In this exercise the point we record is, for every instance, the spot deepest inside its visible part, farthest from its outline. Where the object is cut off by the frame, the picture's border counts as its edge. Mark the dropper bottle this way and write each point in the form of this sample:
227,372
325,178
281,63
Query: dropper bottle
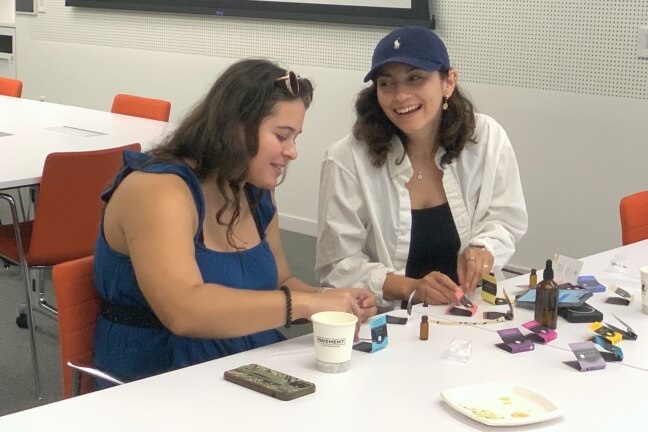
546,303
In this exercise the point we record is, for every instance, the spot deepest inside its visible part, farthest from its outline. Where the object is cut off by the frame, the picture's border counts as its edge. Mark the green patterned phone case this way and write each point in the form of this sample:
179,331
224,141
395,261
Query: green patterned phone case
269,381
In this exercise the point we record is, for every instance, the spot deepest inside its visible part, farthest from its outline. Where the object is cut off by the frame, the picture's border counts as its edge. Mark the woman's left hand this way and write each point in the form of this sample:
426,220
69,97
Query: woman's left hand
474,261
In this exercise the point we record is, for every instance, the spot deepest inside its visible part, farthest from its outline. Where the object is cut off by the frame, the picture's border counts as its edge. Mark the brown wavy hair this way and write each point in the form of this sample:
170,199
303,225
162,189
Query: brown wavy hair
374,128
220,135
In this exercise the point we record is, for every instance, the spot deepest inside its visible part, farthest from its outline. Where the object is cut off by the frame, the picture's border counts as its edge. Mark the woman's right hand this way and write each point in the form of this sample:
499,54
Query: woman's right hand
341,300
435,288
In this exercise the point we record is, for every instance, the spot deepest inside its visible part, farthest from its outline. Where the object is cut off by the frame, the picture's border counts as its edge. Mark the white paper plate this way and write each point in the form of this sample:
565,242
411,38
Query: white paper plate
501,404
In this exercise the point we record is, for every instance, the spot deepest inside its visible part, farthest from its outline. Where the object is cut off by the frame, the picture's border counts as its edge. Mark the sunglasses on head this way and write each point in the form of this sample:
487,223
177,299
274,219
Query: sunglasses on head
291,79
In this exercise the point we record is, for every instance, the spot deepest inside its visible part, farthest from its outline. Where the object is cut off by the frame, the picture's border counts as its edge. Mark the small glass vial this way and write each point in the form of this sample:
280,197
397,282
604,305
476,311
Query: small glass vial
425,328
533,278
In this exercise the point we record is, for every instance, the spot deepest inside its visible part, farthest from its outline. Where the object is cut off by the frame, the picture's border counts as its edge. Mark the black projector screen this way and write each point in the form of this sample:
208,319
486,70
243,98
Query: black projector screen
370,12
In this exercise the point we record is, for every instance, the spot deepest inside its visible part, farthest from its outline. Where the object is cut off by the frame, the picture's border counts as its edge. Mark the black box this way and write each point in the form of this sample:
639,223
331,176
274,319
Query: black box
581,314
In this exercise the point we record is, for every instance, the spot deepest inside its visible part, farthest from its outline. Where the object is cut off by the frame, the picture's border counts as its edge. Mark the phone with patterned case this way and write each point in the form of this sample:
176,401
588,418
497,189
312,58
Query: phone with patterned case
270,382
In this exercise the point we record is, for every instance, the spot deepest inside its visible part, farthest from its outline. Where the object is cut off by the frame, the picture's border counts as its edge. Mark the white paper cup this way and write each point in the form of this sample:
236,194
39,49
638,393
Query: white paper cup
333,335
644,286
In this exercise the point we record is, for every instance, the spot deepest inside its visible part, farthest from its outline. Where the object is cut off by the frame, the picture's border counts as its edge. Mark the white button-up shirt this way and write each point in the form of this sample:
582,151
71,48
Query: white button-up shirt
365,214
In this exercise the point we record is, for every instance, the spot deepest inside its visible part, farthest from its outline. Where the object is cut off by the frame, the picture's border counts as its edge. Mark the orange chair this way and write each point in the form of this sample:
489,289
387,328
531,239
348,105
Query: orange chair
10,87
634,217
65,225
78,305
137,106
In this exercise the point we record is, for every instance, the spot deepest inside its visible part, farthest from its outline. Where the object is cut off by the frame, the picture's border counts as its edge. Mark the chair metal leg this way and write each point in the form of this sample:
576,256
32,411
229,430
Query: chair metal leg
32,330
43,306
27,280
94,372
25,210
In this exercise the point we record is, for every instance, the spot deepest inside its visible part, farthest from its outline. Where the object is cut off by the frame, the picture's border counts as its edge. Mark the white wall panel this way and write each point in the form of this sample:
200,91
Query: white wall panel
562,76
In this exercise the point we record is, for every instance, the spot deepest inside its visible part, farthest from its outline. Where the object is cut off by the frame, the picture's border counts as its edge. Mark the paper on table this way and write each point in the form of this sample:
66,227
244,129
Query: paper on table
75,131
566,268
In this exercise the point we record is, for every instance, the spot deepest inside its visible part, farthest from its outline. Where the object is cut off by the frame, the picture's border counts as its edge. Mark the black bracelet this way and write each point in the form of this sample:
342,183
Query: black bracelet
286,292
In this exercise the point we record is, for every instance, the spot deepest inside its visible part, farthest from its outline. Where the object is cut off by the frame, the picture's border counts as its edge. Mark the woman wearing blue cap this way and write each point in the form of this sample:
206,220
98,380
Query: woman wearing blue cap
425,194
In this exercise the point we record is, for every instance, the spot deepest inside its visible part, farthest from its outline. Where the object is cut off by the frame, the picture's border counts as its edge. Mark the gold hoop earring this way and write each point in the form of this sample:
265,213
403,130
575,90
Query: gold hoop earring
444,107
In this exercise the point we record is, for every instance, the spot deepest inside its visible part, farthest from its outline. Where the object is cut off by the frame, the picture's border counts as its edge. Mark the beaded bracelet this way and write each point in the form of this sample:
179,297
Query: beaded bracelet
286,292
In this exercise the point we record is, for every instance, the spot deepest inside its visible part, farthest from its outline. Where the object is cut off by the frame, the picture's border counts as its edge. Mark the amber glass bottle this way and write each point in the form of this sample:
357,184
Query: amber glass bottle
425,328
546,303
533,278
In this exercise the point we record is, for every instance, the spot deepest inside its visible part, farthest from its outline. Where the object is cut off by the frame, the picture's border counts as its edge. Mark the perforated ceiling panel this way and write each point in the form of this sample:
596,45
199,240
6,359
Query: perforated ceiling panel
565,45
580,46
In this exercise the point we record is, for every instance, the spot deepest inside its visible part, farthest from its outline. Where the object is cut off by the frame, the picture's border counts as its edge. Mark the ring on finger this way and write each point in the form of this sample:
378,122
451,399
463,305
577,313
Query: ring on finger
471,259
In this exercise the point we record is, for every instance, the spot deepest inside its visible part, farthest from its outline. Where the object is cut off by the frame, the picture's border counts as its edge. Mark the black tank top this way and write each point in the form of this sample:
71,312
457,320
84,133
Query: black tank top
434,244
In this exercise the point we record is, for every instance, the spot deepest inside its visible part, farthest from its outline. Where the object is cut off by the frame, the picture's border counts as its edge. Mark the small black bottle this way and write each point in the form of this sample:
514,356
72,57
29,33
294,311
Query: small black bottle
546,303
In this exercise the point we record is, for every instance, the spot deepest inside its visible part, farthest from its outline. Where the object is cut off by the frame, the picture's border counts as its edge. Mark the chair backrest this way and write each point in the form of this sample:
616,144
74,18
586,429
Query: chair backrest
78,305
137,106
68,210
10,87
633,210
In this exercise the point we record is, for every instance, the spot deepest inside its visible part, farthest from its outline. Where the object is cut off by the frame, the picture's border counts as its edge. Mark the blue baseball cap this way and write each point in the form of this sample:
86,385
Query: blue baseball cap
413,45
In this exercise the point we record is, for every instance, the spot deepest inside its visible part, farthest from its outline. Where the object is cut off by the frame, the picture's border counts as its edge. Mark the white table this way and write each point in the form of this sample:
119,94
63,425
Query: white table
633,256
396,389
23,151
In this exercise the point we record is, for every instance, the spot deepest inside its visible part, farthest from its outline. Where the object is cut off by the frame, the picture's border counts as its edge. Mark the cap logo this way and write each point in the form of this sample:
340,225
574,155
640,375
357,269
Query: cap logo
397,44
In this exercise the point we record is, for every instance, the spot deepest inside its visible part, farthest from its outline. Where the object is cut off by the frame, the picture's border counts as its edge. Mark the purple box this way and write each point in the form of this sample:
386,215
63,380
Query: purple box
541,334
514,341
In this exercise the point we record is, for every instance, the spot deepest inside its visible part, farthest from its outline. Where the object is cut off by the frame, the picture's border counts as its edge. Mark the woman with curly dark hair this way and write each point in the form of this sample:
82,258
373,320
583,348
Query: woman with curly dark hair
188,262
425,195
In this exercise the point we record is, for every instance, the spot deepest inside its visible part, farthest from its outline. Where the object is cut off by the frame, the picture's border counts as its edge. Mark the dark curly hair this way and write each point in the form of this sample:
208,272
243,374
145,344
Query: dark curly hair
374,128
220,135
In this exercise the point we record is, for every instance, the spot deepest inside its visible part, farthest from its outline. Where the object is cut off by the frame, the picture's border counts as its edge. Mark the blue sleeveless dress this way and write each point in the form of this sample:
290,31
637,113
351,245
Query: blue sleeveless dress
130,352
